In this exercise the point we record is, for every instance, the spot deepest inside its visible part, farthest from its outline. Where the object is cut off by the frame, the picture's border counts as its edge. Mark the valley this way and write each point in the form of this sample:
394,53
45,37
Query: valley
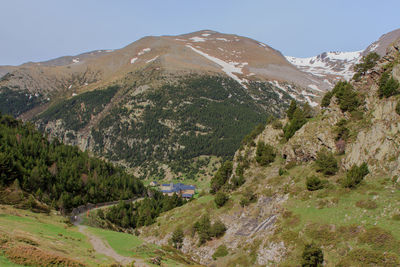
295,161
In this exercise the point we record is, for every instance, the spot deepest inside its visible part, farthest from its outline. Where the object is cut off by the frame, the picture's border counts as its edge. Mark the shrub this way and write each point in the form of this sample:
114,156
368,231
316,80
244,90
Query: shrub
346,96
314,183
342,132
222,176
367,62
398,108
221,251
355,175
218,229
326,162
277,124
265,153
297,121
292,108
247,198
312,256
177,238
326,100
220,199
388,86
206,231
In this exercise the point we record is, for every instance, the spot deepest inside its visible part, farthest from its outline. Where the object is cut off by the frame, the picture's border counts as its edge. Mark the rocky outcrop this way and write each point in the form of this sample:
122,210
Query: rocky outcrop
378,144
314,136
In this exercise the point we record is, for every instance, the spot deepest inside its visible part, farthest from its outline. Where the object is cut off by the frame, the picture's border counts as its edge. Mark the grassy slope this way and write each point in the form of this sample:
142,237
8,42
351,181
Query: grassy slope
51,234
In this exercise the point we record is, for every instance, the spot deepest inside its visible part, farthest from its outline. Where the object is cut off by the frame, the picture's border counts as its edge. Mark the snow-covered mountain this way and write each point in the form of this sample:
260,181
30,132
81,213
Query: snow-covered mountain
333,66
329,65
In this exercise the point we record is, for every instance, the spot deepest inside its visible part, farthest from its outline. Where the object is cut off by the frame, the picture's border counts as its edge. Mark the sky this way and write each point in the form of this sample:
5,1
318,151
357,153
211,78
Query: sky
44,29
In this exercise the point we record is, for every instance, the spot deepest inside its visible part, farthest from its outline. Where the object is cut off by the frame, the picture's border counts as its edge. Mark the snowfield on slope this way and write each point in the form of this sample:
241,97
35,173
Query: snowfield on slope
331,63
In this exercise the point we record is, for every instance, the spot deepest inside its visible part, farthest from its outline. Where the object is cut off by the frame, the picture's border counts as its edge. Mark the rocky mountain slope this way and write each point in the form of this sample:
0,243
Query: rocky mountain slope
334,66
160,99
314,190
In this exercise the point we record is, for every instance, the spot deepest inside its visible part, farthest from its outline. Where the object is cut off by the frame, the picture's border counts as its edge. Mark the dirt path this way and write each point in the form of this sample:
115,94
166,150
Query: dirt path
101,246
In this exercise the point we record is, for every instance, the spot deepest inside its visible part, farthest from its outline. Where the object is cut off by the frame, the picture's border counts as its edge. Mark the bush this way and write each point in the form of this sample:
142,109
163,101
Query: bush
206,231
314,183
277,124
297,121
247,198
326,162
347,98
292,108
220,199
222,176
355,175
388,86
326,100
265,153
398,108
177,238
221,251
312,256
367,63
342,132
218,229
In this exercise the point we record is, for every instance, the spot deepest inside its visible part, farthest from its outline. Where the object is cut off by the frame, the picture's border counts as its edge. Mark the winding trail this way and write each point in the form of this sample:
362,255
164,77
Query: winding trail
101,246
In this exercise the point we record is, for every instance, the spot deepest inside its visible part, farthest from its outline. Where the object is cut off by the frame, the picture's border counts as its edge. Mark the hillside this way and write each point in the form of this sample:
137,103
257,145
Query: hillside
333,183
41,175
162,106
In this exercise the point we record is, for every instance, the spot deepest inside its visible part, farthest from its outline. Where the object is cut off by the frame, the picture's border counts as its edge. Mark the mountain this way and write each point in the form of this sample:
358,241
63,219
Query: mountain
330,65
333,183
161,104
334,66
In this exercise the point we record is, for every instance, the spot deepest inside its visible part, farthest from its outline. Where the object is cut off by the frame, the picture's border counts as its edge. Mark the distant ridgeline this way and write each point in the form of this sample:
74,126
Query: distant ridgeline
56,174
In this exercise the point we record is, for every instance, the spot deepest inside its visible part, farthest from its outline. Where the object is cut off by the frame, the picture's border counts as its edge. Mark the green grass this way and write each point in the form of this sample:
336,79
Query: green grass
122,243
4,262
50,233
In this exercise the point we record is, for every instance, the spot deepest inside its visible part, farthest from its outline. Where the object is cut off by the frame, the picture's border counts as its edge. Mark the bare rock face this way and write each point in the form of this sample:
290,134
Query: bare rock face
379,144
314,136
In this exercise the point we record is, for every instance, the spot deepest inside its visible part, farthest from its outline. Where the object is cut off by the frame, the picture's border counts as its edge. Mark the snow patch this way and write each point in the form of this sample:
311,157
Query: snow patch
374,46
144,51
151,60
197,39
314,87
133,60
205,34
223,39
75,60
228,67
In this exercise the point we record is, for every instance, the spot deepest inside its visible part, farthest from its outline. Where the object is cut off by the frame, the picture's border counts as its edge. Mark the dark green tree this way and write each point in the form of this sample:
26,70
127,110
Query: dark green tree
367,62
326,162
388,86
292,108
355,175
265,153
220,199
314,183
177,238
312,256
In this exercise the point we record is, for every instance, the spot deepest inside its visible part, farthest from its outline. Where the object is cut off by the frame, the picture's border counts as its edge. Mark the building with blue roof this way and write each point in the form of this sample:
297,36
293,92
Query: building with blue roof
185,191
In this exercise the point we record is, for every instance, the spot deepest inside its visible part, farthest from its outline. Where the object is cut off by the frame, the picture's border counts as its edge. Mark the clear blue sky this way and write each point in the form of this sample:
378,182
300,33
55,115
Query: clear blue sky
36,30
